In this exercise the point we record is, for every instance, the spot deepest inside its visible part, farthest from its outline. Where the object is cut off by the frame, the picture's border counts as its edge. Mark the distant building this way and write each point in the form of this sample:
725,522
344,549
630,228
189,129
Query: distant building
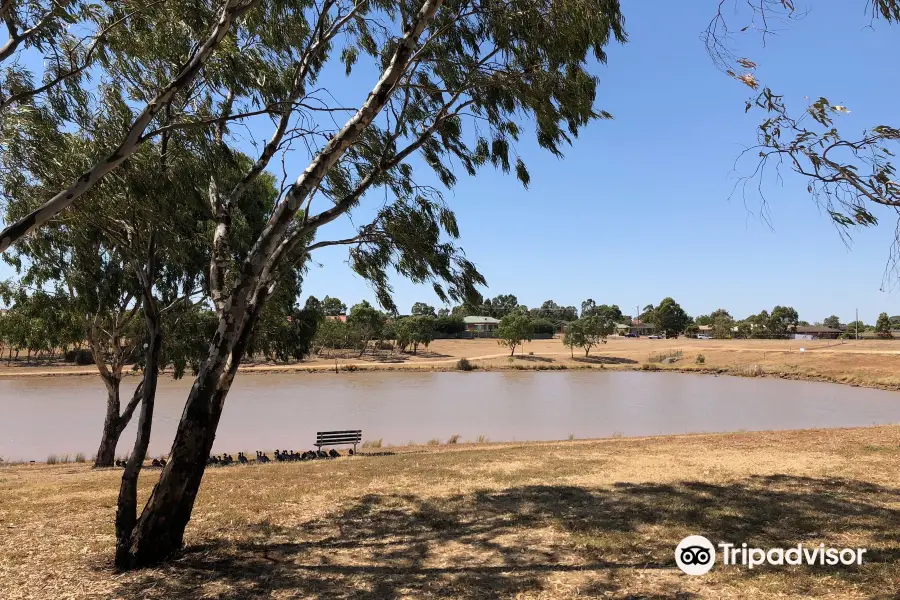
481,323
636,327
816,332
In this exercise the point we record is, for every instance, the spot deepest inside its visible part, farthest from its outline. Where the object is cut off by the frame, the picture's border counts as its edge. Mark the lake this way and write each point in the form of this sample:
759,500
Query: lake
64,415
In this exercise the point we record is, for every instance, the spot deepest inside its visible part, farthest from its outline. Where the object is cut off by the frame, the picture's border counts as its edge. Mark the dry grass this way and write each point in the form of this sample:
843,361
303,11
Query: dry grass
579,519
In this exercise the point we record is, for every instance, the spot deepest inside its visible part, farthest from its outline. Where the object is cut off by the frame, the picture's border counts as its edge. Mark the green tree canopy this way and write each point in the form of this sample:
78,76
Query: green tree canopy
832,321
669,318
367,323
883,327
420,309
588,332
515,329
333,307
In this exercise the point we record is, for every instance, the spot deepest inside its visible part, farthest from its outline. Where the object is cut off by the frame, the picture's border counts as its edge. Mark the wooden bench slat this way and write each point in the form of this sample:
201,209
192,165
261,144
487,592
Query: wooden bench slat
335,438
334,432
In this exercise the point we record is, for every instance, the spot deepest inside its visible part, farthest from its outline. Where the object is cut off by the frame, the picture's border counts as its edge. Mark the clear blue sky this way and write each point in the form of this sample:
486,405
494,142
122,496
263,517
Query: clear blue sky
639,208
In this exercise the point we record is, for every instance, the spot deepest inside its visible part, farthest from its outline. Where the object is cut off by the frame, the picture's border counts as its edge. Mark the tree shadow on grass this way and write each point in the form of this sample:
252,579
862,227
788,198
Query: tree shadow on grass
533,358
605,360
550,540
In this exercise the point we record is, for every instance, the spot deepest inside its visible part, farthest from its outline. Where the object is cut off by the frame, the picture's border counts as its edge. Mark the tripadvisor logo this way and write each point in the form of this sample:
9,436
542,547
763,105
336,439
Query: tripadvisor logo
696,555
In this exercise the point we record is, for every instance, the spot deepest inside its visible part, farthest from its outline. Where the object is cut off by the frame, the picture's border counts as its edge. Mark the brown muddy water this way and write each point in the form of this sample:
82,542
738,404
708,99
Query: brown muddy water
43,416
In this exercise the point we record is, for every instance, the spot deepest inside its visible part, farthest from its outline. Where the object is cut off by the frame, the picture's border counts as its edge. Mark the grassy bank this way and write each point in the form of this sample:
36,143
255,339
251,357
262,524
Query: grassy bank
574,519
870,363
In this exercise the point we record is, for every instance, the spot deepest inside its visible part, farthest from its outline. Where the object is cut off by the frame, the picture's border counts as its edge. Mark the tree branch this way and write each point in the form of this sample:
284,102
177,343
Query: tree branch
232,10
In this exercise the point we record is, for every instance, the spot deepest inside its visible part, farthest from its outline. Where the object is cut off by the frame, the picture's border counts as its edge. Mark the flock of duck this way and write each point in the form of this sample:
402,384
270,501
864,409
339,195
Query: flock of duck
261,458
280,456
156,462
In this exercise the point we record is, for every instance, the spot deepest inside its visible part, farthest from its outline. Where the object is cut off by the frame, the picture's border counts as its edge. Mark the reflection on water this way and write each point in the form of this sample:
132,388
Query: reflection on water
64,415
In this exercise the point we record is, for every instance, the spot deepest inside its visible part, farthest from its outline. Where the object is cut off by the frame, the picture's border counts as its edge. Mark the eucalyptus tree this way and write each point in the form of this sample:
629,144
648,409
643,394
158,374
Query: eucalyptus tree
421,309
117,45
455,82
333,307
367,323
515,329
39,321
441,65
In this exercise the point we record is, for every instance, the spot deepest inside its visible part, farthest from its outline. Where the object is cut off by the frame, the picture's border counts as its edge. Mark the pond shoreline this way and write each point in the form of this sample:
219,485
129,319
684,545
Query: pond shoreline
449,367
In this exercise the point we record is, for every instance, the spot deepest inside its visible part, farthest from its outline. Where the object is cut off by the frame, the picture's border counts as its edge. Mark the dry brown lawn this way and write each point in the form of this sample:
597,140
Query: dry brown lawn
581,519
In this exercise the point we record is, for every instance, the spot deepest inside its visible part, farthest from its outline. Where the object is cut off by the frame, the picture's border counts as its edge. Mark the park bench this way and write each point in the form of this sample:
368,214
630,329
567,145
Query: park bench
337,438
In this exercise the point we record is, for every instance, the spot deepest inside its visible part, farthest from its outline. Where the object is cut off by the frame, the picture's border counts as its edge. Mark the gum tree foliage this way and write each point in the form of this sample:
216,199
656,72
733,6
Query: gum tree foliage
333,307
883,327
832,321
38,322
333,334
607,312
421,309
366,323
515,329
499,306
552,311
722,323
97,252
284,332
414,331
458,85
851,175
449,326
587,332
420,331
783,321
668,317
543,326
854,326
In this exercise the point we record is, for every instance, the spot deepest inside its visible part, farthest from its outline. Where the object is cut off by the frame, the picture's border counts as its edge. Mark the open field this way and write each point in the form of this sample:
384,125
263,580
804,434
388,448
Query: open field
872,363
580,519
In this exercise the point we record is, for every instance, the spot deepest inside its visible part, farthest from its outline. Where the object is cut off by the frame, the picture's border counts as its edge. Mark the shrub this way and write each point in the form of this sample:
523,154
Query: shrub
752,371
434,442
80,357
449,326
463,364
79,458
481,439
372,443
52,459
700,359
544,326
453,438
